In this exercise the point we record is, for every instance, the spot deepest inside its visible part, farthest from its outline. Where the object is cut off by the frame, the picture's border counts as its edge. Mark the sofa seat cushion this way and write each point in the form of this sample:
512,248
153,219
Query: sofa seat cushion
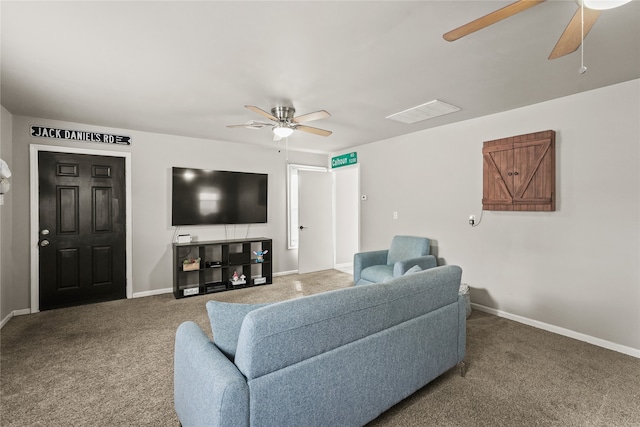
226,319
377,273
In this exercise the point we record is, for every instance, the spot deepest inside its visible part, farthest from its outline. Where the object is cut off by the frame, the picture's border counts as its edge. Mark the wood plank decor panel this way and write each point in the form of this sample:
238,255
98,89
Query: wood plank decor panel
519,173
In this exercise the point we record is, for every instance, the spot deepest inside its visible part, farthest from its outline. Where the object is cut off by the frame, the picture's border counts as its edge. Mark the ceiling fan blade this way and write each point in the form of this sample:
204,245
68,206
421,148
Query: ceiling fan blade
246,126
313,130
490,19
317,115
261,112
251,124
571,38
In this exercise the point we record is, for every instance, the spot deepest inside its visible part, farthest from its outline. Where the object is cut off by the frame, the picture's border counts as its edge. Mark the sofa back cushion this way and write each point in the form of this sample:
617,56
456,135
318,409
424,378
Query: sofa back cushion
226,319
407,247
291,331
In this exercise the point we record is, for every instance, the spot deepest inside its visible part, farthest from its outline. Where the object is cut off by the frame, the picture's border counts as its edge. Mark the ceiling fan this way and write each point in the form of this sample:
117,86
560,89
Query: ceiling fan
284,121
570,39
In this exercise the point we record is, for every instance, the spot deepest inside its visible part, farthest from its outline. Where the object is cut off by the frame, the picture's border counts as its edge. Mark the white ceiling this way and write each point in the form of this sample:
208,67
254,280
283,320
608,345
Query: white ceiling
188,68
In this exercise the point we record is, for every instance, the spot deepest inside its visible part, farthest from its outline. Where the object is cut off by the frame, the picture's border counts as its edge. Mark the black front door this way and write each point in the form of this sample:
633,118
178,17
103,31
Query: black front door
82,229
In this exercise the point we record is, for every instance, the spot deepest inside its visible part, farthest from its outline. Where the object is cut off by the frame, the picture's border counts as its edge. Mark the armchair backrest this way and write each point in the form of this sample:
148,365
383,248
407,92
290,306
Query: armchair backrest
407,247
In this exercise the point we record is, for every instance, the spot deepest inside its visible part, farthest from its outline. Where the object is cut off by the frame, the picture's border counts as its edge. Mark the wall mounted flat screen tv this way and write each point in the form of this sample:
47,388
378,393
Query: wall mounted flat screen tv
206,197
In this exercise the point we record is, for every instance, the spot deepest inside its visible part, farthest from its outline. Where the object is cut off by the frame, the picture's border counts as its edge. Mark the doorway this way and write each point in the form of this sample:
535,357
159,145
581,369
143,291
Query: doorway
316,233
338,203
80,226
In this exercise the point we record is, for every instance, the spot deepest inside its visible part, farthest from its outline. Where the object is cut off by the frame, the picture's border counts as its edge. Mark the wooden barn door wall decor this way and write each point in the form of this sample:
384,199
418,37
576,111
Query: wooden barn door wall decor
519,173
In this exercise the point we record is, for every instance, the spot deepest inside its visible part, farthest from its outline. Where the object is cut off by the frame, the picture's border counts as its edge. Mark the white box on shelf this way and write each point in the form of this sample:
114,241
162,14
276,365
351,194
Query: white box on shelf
184,238
191,291
259,280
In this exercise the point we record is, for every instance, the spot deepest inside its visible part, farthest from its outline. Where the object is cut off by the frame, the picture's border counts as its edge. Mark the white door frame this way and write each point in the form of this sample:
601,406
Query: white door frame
34,176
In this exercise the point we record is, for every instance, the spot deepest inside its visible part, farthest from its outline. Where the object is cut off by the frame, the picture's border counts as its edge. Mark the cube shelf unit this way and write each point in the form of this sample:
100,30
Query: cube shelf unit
219,259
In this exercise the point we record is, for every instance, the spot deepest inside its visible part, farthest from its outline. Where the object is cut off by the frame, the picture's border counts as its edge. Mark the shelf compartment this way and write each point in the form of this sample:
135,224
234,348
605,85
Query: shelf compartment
212,287
239,258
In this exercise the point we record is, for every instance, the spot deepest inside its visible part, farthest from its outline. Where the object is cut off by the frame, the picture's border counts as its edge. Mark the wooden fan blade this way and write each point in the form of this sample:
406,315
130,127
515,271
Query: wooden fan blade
261,112
317,115
313,130
571,38
490,19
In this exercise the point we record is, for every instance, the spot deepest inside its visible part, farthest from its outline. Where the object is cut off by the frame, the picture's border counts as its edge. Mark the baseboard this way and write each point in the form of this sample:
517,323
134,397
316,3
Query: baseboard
12,314
6,320
285,273
344,265
630,351
151,293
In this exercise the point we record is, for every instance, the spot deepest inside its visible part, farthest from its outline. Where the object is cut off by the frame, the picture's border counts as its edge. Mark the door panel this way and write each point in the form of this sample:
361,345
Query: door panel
315,241
82,229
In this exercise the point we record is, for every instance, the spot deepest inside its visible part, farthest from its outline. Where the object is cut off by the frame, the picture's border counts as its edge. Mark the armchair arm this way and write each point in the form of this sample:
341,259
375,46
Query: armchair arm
424,262
363,260
208,388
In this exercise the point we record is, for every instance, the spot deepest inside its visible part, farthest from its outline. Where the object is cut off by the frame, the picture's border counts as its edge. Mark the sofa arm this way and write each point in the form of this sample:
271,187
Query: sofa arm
208,388
363,260
424,262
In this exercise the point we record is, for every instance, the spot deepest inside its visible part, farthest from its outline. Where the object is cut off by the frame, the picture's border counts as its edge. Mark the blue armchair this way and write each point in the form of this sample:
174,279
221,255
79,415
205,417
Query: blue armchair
404,253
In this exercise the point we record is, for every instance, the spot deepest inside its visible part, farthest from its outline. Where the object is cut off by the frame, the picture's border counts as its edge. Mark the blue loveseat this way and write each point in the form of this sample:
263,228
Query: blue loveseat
339,358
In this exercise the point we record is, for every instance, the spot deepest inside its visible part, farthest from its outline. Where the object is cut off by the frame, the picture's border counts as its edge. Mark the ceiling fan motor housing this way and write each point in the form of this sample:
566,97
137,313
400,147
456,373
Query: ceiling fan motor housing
283,113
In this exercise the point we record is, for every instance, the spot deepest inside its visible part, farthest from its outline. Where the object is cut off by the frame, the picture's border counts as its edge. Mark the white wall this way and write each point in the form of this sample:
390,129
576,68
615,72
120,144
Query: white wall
7,300
152,156
347,214
576,268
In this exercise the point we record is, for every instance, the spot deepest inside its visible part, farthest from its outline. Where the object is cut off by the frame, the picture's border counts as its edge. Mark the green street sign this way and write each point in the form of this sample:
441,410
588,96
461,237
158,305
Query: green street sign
344,160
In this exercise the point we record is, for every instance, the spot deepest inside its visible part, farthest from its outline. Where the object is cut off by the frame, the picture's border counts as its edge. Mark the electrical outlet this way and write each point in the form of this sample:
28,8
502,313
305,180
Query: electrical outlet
472,220
395,215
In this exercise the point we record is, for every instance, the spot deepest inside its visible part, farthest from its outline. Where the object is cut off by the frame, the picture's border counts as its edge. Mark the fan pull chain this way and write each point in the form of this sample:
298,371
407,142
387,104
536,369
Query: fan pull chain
582,69
286,148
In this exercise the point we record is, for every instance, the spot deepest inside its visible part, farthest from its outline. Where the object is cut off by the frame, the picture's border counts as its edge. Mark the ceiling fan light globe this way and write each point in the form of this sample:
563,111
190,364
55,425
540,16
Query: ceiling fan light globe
282,131
604,4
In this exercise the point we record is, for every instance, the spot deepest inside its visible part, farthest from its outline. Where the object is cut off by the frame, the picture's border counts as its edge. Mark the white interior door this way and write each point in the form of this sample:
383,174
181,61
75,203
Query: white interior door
315,219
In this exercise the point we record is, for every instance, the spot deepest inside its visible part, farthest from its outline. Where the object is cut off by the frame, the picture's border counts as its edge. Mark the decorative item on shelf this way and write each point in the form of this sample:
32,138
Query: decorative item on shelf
191,264
260,255
238,280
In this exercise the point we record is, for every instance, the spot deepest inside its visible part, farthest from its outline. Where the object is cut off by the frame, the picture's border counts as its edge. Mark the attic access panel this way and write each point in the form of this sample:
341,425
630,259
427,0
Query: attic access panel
519,173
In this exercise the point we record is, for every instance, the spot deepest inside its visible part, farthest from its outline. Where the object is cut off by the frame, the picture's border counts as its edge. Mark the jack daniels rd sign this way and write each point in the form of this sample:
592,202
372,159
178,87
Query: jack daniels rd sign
78,135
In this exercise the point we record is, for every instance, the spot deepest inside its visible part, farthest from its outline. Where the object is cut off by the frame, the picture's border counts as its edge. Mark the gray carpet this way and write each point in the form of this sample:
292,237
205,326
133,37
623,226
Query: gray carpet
112,364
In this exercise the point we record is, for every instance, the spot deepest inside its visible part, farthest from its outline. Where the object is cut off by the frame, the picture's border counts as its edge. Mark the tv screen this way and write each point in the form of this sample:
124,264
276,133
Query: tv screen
205,197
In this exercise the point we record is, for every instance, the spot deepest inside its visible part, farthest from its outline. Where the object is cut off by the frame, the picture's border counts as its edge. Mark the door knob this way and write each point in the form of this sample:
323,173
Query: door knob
44,242
44,232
